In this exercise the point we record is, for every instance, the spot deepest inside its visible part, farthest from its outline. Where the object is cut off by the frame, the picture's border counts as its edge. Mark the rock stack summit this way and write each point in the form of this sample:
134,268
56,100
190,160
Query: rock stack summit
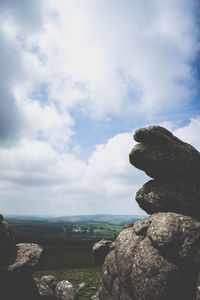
158,258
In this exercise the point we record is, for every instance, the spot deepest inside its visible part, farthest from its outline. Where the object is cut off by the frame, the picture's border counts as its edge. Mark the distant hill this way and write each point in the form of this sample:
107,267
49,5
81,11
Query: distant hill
111,219
82,227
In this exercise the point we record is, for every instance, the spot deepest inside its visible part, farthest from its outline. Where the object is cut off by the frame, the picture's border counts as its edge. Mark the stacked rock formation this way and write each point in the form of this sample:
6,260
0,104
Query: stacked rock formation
175,167
158,257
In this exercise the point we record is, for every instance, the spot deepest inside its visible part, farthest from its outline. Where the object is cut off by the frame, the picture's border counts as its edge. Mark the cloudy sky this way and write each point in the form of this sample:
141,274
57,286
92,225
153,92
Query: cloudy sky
77,77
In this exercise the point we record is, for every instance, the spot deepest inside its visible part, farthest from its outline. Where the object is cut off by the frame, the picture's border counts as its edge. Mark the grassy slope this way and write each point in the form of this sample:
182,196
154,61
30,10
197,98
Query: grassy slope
72,261
68,256
64,230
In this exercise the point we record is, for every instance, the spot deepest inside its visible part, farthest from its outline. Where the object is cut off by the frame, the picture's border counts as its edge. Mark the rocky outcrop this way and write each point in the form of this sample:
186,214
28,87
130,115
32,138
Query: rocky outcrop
101,249
49,288
158,258
65,291
94,297
46,286
25,257
175,167
163,156
163,196
160,255
18,262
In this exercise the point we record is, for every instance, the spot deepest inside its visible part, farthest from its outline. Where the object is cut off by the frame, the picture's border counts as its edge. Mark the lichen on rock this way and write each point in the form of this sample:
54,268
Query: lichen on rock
157,258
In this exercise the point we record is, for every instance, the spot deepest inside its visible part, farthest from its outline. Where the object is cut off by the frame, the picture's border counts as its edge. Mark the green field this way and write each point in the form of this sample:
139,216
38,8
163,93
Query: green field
68,246
72,261
64,230
67,249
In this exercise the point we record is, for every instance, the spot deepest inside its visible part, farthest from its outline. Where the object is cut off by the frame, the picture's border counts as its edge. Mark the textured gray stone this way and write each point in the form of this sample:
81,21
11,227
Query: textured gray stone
46,286
80,287
95,297
17,263
101,249
176,236
25,257
158,258
163,156
153,259
65,291
111,287
158,196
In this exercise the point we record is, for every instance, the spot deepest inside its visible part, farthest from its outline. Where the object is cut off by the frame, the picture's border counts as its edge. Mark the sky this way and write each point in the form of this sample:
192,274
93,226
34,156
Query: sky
77,78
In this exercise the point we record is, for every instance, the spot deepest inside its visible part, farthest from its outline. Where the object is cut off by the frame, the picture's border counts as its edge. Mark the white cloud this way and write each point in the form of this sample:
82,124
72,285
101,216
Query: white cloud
46,123
36,179
146,48
104,58
23,15
114,58
190,132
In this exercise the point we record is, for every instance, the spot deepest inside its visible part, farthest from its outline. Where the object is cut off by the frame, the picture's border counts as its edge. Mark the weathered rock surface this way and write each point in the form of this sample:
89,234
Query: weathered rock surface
16,257
17,263
153,259
49,280
158,258
46,286
16,272
163,156
24,257
101,249
111,286
49,288
158,196
80,287
94,297
65,291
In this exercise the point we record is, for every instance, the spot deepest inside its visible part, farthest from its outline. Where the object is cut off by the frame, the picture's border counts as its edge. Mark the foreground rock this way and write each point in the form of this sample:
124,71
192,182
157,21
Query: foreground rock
163,156
94,297
81,287
153,259
158,196
17,264
49,288
16,272
65,291
158,258
101,249
24,257
46,286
